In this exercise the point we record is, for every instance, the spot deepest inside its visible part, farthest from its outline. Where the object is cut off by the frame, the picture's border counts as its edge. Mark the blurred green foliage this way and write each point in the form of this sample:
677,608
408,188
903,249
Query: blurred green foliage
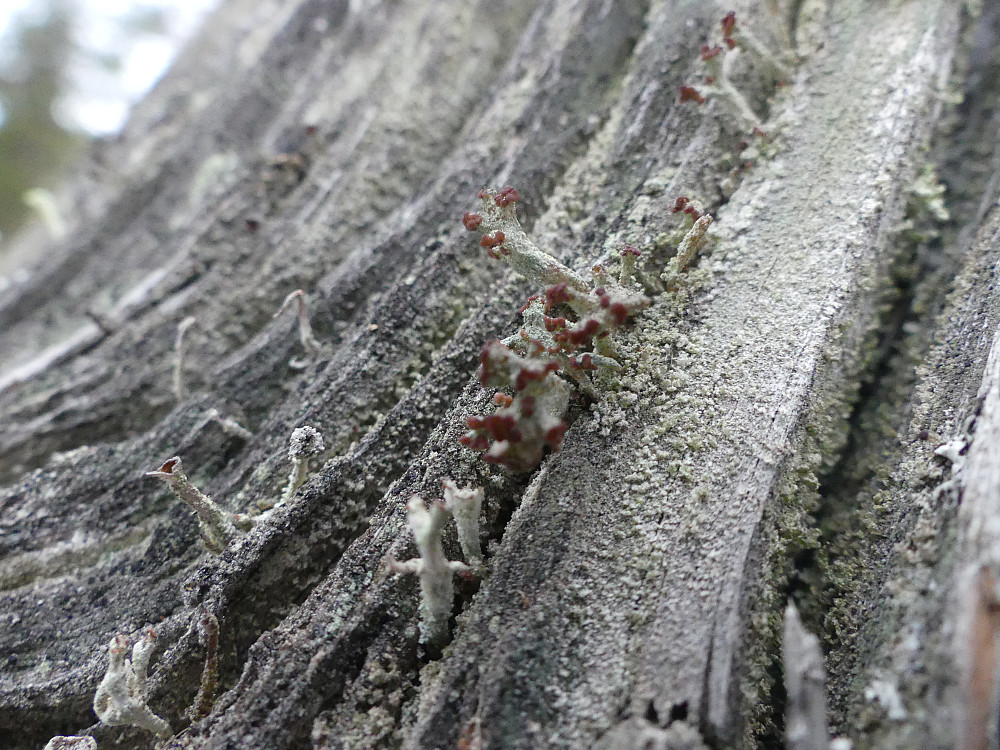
35,149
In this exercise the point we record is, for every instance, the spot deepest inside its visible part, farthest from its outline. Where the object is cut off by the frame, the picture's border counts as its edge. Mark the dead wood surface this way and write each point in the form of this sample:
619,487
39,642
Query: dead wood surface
776,431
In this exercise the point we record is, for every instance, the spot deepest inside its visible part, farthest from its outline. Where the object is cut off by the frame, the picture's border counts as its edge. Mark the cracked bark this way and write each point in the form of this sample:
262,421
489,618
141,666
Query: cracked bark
768,437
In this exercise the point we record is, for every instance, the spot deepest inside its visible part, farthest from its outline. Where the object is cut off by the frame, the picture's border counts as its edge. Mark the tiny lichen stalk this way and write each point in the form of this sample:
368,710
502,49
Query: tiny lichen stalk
216,527
465,506
304,443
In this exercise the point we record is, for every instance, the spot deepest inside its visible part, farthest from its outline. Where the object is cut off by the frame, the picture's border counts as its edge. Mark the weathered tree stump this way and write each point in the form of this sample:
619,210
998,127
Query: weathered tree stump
810,414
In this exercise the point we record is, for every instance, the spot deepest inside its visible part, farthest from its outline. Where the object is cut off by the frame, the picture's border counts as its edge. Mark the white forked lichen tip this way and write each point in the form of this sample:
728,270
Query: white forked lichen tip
433,568
121,697
465,505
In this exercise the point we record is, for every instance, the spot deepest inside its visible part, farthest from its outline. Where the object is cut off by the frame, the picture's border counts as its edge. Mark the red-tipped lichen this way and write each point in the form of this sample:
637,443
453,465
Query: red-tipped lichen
471,221
717,61
564,338
493,241
683,204
498,221
690,94
728,23
506,197
527,423
707,53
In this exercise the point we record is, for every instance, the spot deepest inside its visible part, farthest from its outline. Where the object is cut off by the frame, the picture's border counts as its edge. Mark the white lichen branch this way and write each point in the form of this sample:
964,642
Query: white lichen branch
71,742
208,636
179,352
465,505
121,697
437,590
229,425
687,250
720,69
805,686
692,242
766,62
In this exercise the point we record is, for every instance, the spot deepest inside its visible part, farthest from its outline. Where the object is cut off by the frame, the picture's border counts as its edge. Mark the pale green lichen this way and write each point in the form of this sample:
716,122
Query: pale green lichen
43,202
926,210
504,238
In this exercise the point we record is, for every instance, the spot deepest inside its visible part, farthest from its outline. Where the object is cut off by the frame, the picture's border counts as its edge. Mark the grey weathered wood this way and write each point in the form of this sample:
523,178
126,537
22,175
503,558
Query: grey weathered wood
636,580
975,620
805,686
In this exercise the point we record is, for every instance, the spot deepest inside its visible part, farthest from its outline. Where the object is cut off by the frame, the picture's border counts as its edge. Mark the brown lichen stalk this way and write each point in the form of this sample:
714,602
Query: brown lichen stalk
216,528
208,635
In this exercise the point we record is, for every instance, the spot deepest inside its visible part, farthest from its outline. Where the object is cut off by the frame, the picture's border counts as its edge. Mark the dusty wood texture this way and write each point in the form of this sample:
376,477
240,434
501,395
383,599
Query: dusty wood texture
805,686
636,581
